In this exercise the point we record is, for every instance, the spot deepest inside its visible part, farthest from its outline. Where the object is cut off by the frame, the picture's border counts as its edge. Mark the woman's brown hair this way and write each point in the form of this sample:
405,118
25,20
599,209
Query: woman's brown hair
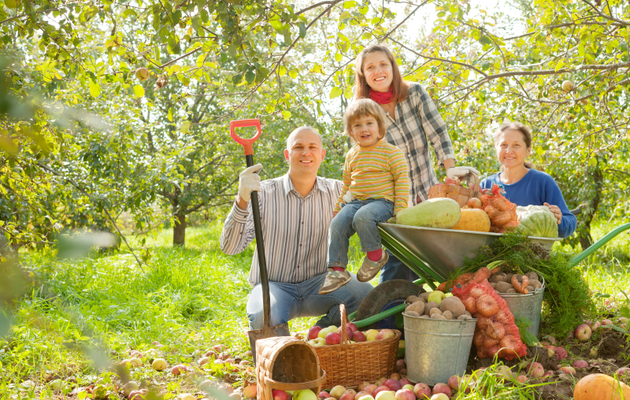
523,129
361,87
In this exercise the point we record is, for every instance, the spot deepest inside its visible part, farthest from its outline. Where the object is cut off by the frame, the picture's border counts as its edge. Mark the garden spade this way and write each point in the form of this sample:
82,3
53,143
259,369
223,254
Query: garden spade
266,331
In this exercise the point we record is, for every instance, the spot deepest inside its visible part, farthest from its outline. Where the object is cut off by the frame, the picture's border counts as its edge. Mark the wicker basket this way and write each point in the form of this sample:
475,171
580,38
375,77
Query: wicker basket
349,363
286,363
458,193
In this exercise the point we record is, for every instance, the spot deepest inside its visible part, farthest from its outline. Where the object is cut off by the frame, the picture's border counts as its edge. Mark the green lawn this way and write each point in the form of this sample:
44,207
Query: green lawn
81,313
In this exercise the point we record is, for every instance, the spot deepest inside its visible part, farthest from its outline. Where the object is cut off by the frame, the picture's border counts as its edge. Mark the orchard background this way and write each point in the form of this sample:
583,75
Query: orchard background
86,146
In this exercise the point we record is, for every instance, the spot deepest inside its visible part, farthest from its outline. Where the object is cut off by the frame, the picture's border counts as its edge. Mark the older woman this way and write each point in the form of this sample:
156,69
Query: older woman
524,185
412,122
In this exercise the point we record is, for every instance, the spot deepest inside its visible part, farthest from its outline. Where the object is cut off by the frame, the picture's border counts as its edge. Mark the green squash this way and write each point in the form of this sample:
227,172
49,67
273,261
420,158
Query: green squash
537,221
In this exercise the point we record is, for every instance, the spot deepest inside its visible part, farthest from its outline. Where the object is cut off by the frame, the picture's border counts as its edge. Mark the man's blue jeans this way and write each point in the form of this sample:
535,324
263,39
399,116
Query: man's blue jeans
358,216
292,300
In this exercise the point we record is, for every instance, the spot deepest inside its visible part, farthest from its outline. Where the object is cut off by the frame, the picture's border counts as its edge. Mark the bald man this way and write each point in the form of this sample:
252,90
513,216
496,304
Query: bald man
296,210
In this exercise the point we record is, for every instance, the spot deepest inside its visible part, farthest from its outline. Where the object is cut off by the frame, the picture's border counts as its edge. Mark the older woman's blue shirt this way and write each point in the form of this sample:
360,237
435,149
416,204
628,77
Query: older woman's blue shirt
536,188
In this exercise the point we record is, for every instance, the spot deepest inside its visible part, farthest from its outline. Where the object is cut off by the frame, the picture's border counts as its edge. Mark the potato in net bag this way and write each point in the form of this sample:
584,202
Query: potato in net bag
495,332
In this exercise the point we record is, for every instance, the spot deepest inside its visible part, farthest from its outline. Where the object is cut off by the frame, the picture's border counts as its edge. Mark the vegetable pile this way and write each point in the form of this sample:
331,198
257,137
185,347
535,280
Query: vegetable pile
537,221
501,211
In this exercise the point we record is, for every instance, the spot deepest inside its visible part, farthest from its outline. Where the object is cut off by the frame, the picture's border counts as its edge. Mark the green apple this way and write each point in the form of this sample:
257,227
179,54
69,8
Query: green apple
159,364
130,387
142,74
322,334
567,86
306,394
436,296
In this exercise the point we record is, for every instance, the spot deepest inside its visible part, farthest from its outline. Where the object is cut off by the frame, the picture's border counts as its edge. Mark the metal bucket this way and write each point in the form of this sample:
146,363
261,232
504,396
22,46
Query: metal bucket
527,305
436,349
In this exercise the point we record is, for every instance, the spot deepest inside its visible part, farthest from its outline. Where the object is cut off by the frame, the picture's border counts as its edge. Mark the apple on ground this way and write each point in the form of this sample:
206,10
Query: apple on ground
568,370
595,326
129,387
561,353
521,379
349,394
405,381
386,395
422,391
358,337
453,382
380,389
135,362
392,384
405,394
366,397
442,388
535,369
306,394
360,394
582,332
337,391
370,335
380,381
551,350
322,395
362,385
439,396
186,396
400,364
179,369
395,375
408,386
384,334
623,371
580,364
313,332
250,391
369,389
159,364
547,374
333,338
279,394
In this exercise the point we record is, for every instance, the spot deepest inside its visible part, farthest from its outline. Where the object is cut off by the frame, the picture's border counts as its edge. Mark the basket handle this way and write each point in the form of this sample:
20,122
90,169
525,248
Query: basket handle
344,323
472,180
296,386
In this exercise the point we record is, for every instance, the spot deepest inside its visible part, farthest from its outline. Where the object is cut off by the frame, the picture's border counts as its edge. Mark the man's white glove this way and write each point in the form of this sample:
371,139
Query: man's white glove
460,172
348,197
249,181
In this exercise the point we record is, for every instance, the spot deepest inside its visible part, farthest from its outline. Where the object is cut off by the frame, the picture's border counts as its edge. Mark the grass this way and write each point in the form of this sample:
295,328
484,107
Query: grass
79,314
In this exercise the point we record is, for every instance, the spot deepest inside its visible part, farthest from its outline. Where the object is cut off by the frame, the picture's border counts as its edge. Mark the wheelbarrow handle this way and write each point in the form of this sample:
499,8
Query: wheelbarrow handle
260,248
248,144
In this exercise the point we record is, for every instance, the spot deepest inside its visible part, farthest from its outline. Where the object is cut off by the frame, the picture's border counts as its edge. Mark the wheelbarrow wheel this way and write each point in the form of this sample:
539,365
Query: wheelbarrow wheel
385,296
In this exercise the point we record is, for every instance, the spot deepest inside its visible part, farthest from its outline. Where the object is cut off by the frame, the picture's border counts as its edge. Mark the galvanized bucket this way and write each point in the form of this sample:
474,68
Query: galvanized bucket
527,305
436,349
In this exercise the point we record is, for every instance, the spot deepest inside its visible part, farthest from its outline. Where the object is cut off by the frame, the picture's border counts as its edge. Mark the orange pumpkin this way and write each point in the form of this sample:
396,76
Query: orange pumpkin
600,387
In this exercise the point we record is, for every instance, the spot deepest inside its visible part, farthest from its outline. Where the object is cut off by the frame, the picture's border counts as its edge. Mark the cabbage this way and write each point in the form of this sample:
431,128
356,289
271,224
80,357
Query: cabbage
537,221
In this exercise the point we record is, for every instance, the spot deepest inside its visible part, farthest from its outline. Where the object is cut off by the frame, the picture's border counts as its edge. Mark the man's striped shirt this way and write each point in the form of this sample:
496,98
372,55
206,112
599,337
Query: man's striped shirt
295,229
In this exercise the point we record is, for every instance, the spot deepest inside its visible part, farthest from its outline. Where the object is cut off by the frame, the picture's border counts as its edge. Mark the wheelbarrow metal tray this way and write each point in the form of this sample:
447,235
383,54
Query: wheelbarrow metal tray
443,250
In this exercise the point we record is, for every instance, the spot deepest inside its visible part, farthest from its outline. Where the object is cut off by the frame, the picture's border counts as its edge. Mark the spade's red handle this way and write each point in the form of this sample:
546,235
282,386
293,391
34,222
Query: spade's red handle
247,143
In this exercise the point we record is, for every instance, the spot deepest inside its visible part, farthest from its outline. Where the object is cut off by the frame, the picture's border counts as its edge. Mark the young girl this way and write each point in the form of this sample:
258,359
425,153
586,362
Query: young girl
375,188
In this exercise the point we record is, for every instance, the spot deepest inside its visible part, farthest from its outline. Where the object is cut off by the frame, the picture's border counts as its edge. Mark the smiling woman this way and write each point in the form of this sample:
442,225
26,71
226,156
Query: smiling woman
524,185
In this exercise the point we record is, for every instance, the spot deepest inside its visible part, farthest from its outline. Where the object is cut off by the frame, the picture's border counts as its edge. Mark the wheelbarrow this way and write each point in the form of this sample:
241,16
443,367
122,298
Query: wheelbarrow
433,254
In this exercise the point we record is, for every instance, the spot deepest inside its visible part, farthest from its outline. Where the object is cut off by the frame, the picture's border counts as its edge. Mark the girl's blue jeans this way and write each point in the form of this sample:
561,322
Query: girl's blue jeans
360,217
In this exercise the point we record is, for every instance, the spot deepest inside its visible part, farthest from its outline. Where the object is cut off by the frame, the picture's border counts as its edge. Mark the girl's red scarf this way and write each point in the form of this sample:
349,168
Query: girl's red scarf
383,97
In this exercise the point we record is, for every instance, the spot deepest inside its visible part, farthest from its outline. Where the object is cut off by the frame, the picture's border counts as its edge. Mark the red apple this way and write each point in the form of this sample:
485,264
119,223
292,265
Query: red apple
595,326
422,391
312,333
474,202
349,332
380,389
623,371
395,375
250,391
392,384
453,382
404,381
361,394
551,350
358,336
279,394
583,333
568,370
451,181
362,385
547,374
179,369
380,381
561,353
405,394
521,379
348,395
369,389
442,388
535,370
400,364
322,395
350,326
333,338
607,322
580,364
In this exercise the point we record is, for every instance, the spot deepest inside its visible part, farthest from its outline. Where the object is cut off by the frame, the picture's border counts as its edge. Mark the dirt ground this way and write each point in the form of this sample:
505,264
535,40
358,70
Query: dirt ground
607,353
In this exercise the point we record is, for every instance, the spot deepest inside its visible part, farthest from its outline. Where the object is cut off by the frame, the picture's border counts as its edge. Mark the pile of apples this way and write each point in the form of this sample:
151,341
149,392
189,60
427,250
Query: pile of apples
393,388
331,335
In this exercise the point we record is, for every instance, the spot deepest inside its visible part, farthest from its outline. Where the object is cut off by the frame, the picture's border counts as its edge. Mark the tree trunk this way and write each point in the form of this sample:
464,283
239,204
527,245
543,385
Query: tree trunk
594,179
179,230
